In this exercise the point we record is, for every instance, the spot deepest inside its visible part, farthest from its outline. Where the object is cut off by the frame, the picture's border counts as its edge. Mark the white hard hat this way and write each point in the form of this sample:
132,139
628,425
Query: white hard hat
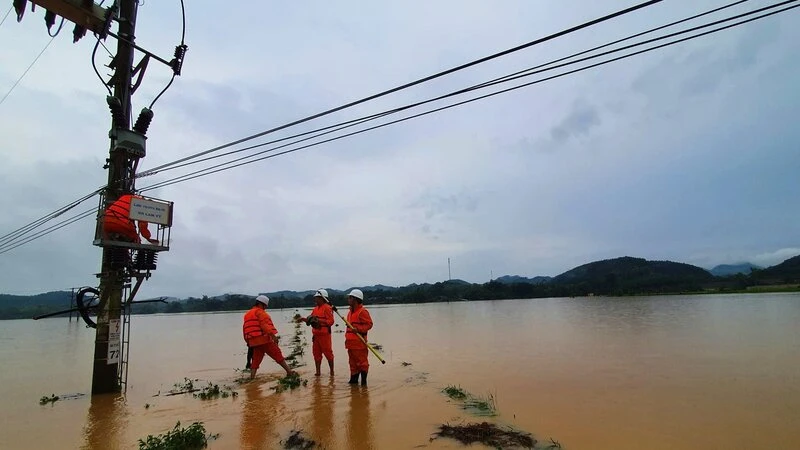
321,293
357,294
263,299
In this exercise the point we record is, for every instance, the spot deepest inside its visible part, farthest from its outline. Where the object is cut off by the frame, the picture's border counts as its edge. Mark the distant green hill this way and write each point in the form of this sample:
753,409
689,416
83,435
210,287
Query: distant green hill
27,306
55,298
628,275
511,279
618,276
784,273
726,270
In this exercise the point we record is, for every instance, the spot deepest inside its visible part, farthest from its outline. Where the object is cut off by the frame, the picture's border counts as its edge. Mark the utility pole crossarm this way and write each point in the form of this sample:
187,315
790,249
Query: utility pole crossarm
86,14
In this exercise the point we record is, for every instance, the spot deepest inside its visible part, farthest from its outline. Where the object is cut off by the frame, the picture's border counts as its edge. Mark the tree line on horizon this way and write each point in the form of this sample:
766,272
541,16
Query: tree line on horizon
624,276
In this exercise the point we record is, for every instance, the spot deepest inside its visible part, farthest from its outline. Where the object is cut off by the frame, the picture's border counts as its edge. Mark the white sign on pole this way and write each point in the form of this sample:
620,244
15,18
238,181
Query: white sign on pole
150,211
113,342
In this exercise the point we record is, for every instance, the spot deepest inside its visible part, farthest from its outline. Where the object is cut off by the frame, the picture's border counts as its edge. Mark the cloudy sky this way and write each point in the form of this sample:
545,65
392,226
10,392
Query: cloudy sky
689,153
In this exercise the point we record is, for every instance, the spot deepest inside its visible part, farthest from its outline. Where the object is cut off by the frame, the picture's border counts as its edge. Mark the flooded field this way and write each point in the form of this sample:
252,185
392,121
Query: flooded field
673,372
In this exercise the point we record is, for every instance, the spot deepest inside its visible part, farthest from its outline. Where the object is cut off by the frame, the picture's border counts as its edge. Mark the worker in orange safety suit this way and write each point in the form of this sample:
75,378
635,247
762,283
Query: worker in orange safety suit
321,321
117,225
357,351
260,334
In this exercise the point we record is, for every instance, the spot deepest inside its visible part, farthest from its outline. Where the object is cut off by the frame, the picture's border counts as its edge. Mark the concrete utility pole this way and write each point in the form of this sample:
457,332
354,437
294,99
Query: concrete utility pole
118,266
107,351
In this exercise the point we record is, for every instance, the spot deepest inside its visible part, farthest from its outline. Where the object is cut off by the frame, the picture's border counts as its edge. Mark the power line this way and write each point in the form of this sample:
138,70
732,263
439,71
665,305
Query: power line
58,30
12,245
182,45
44,219
6,15
36,224
420,81
208,171
26,71
526,72
221,167
94,66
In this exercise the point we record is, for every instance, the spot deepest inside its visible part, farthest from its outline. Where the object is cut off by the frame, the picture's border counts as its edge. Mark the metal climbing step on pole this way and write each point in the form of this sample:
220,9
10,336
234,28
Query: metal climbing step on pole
124,340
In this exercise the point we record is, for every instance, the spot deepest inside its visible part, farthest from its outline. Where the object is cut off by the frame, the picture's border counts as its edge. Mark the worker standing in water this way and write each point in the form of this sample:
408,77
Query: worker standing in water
321,320
357,351
117,224
262,336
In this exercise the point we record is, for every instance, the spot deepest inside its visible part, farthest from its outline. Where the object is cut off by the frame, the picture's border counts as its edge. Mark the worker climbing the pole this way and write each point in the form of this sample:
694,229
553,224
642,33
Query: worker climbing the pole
357,351
260,334
117,224
321,320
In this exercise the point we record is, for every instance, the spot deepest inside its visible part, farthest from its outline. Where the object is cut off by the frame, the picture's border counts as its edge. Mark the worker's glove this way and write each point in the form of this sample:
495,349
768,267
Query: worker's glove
334,308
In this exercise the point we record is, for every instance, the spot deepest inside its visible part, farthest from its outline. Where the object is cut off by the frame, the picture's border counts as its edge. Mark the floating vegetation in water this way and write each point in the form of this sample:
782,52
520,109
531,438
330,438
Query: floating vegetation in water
45,399
243,376
456,393
192,437
297,317
298,441
484,406
147,406
486,433
294,363
405,364
554,444
214,391
290,382
183,387
377,347
296,352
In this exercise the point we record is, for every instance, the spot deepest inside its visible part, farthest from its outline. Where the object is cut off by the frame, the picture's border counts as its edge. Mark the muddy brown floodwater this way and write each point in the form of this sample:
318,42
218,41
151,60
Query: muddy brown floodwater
678,372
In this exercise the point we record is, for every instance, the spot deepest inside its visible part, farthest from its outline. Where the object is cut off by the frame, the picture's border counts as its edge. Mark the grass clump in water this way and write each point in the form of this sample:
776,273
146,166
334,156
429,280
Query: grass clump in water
456,393
298,441
486,433
290,382
192,437
405,364
184,387
45,399
214,391
484,406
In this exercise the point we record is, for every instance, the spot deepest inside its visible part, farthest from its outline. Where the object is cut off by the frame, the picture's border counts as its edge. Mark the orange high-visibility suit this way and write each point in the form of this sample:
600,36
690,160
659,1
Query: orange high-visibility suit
259,332
321,332
357,351
116,221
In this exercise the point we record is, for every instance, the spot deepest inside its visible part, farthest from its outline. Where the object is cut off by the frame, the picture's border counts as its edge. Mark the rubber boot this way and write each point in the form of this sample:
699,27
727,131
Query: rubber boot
353,379
363,378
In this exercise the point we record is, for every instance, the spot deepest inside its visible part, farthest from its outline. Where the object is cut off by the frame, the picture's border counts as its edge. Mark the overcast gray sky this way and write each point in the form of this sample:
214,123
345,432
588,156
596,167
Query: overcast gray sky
689,153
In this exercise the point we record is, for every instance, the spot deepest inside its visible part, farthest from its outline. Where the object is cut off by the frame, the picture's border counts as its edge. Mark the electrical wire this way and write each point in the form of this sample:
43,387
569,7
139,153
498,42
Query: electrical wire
440,74
208,171
6,15
221,167
94,66
58,30
26,71
530,71
44,219
420,81
183,43
11,246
